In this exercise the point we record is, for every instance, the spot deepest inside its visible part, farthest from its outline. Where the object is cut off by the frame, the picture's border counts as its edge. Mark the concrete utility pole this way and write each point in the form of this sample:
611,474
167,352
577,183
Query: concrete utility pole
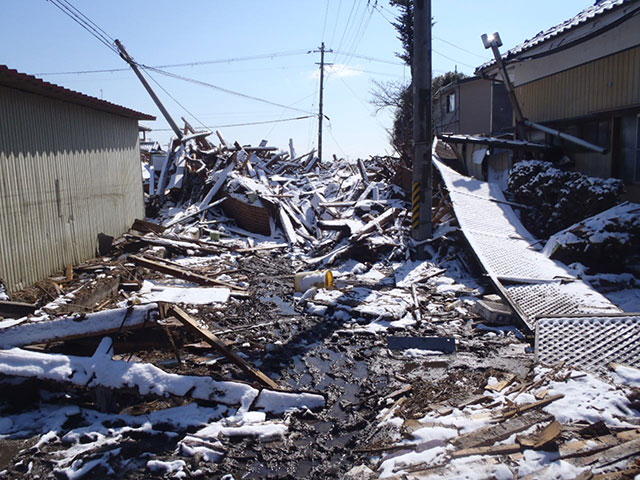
127,58
494,43
422,138
320,115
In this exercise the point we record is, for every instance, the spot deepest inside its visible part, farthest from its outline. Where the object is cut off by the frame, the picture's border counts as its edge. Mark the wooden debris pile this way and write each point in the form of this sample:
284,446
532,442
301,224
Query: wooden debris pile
127,304
555,415
323,210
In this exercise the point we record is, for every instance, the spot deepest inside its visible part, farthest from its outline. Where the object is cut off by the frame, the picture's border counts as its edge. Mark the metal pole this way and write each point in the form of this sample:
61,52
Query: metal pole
566,136
510,90
422,132
127,58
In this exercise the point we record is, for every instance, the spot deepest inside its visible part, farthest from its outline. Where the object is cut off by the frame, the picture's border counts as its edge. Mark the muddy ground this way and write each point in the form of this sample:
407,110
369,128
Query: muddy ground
351,366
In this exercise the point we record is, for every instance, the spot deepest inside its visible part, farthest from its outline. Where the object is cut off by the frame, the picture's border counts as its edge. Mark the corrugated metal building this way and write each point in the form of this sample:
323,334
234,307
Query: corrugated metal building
69,171
472,105
583,77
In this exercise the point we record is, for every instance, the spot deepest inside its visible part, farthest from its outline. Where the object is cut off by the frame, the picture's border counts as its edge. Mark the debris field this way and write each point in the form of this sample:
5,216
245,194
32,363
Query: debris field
267,320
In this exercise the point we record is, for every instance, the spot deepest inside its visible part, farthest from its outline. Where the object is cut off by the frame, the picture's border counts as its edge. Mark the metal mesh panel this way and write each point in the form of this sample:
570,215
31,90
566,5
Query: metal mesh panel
591,343
508,253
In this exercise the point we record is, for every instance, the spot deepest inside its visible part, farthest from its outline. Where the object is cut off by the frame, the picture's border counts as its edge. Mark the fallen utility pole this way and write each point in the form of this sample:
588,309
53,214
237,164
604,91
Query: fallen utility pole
127,58
421,73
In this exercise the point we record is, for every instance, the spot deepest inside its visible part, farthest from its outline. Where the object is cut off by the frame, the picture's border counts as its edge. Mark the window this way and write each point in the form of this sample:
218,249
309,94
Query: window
451,102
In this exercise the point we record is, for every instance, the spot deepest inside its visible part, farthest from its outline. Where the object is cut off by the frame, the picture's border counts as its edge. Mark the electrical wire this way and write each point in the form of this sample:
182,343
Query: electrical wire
324,24
72,12
172,97
189,64
460,48
209,127
222,89
453,59
371,59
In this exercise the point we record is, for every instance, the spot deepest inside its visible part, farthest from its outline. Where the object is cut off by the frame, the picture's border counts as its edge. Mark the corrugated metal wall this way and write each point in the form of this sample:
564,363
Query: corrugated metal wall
67,173
603,84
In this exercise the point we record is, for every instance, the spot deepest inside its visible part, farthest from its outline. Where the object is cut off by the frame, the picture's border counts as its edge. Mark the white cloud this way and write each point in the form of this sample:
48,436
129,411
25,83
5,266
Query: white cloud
338,70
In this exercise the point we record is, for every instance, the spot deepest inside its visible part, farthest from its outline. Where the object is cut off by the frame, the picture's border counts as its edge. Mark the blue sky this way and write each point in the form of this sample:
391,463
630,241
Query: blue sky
39,39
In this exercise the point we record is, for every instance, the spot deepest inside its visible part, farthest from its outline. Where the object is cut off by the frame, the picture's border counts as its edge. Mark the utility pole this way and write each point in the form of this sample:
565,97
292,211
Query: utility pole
320,115
494,43
421,80
127,58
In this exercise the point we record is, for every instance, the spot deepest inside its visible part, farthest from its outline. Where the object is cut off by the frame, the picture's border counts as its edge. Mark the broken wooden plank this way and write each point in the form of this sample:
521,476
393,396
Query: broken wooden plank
288,229
78,326
194,214
491,450
144,226
530,406
9,309
181,273
610,456
498,387
545,436
377,222
495,433
220,346
363,171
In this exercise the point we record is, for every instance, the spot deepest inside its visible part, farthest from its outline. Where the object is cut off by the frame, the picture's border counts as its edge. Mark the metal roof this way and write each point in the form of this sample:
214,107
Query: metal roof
599,8
28,83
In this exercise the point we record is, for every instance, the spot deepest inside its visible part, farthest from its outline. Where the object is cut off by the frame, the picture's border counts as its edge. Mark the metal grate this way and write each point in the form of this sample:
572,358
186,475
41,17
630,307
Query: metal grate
591,342
508,253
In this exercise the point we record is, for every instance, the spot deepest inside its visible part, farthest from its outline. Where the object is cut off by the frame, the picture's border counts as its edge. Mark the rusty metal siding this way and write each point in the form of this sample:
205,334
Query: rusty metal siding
67,173
604,84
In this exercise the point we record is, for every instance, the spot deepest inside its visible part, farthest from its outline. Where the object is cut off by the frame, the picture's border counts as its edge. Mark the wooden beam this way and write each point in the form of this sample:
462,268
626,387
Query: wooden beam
16,309
79,326
220,346
501,431
180,273
492,450
145,226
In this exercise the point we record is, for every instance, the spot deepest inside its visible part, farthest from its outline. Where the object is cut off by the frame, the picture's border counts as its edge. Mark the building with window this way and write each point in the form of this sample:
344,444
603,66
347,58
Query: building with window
583,78
474,106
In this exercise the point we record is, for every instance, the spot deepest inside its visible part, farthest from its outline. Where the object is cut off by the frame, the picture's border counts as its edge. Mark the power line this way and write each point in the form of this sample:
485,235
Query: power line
371,59
324,24
453,59
222,89
189,64
172,97
244,124
460,48
72,12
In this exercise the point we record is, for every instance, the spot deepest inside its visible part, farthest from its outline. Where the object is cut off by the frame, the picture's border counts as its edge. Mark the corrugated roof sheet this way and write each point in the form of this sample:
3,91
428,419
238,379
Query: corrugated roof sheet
584,16
21,81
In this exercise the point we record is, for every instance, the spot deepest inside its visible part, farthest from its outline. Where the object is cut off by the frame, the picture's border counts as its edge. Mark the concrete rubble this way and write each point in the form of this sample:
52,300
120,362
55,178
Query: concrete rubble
266,320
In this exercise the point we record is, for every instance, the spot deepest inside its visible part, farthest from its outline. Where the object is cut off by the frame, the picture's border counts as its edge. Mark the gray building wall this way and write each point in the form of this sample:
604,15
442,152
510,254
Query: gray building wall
475,107
67,173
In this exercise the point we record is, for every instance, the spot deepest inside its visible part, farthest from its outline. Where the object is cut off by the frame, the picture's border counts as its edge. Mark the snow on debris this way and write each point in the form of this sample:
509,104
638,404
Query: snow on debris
158,292
575,398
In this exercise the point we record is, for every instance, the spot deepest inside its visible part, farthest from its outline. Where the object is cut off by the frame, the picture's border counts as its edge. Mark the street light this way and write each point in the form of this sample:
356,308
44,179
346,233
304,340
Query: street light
494,42
490,40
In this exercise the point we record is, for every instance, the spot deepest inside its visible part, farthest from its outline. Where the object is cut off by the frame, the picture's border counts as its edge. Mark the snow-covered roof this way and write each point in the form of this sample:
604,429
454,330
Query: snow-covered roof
491,141
599,8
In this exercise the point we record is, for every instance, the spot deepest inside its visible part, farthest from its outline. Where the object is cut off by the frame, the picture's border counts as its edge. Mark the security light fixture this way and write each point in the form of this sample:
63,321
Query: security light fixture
491,40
